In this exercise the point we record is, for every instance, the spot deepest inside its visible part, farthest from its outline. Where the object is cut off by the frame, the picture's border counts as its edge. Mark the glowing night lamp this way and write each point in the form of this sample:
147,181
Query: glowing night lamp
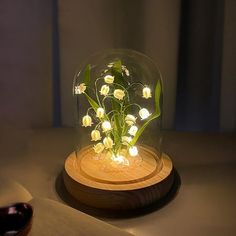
118,155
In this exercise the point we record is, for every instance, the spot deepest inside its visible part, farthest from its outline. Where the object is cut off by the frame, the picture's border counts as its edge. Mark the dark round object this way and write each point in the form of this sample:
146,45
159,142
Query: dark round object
16,219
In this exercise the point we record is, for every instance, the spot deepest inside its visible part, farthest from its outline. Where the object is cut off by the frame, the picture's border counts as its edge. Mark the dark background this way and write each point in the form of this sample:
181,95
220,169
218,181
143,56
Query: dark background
193,42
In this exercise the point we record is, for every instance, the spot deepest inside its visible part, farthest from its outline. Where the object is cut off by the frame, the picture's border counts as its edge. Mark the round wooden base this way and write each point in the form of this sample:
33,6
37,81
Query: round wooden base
118,187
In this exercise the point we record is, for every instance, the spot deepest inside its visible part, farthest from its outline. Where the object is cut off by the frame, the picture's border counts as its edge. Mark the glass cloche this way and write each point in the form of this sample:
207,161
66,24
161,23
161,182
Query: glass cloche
118,96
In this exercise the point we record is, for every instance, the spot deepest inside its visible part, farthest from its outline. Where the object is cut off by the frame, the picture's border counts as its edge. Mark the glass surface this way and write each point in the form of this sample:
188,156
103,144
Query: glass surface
118,96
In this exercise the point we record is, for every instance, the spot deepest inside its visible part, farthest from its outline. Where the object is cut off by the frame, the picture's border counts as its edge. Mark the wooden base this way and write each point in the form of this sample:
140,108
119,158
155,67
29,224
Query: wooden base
99,182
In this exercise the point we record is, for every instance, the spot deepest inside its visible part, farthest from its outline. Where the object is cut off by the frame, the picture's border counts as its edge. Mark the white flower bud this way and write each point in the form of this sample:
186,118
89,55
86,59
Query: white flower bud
119,94
133,151
87,121
104,90
126,140
110,65
95,135
144,113
130,119
100,112
99,147
109,79
147,93
106,126
133,130
80,88
108,142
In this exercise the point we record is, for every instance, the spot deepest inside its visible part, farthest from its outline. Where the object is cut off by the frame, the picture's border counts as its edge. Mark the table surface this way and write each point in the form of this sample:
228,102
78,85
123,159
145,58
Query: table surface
206,163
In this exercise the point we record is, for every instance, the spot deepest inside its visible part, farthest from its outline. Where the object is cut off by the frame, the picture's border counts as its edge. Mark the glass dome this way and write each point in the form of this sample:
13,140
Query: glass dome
118,97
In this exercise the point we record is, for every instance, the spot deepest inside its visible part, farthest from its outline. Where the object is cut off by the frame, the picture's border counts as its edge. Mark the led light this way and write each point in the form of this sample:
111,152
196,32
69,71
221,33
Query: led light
133,130
95,135
120,160
126,140
133,151
99,147
104,90
87,121
147,92
108,142
130,119
109,79
100,112
119,94
144,113
80,88
106,126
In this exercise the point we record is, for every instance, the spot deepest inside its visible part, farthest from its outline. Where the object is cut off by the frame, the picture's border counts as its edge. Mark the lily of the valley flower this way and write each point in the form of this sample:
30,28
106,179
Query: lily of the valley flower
133,130
99,147
133,151
147,92
110,65
100,112
125,70
108,142
119,94
80,88
109,79
95,135
126,140
144,113
87,121
106,126
130,119
104,90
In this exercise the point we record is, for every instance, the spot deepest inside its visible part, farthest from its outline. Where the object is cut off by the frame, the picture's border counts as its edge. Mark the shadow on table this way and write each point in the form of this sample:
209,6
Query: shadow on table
72,202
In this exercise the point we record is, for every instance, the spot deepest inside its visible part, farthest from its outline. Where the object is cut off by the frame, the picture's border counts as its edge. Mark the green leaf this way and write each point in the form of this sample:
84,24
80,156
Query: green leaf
155,115
140,131
157,98
117,65
87,71
93,104
116,71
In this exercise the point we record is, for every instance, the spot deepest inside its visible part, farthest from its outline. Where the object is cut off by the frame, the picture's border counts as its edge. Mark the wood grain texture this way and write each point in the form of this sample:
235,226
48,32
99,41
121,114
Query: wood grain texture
132,188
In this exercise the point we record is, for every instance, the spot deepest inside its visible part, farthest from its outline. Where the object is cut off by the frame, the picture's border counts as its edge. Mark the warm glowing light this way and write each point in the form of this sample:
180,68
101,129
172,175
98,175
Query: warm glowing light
110,65
99,147
120,160
126,140
130,119
116,111
133,130
87,121
119,94
104,90
109,79
133,151
106,126
108,142
144,113
95,135
100,112
147,92
80,88
124,68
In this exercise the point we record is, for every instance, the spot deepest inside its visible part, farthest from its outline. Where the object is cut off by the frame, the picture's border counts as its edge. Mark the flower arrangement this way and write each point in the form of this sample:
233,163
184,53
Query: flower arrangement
117,120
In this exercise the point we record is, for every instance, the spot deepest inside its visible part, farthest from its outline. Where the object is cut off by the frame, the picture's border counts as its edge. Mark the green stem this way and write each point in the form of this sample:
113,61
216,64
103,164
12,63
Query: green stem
96,91
133,104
